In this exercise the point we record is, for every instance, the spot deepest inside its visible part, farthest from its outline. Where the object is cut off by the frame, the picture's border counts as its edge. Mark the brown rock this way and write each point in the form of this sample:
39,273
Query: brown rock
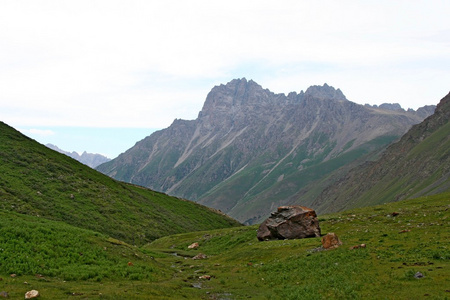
331,241
193,246
200,256
358,246
290,222
31,294
207,277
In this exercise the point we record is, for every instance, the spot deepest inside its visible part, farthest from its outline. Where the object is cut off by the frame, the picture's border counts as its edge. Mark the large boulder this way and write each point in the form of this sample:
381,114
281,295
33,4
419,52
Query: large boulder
290,222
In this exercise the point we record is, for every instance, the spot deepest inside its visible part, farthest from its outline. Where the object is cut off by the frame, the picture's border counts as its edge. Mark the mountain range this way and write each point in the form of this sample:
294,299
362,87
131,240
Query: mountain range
251,150
90,159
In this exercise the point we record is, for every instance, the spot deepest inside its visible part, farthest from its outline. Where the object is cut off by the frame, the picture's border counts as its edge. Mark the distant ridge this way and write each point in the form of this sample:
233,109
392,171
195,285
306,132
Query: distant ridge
251,150
90,159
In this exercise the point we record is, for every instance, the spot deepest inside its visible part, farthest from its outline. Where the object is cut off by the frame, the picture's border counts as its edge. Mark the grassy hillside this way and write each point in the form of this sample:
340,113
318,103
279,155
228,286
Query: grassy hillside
35,180
417,165
32,245
74,262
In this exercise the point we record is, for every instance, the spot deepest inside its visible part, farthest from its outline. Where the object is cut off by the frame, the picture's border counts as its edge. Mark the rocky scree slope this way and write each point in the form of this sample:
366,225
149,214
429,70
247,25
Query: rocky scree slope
247,141
417,165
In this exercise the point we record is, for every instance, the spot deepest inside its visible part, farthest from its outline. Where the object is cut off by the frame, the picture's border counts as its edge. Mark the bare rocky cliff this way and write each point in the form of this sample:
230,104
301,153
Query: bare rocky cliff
247,142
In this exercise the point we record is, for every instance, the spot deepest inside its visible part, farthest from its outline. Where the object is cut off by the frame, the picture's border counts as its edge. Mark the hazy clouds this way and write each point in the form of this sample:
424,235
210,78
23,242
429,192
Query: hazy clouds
145,63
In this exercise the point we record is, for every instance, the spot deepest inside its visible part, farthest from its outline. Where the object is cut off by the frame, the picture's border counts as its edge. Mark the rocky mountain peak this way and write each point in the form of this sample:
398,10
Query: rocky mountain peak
391,106
236,94
325,92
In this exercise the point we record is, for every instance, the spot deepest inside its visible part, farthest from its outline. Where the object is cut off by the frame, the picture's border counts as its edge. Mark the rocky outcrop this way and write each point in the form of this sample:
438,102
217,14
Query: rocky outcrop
290,222
251,150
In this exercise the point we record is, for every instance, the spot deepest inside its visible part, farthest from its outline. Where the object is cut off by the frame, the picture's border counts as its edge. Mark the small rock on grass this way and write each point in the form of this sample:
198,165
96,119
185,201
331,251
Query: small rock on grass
200,256
193,246
331,241
4,294
418,275
31,294
358,246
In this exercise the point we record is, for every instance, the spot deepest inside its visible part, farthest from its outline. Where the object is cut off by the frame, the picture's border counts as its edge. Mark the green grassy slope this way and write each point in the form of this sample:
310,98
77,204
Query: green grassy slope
417,165
37,181
397,247
33,245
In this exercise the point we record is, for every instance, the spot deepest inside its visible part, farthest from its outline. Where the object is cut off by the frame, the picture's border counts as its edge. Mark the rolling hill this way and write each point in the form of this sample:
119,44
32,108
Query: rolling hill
38,181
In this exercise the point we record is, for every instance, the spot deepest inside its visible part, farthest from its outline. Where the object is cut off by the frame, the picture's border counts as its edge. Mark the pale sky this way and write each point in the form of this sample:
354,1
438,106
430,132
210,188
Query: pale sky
99,65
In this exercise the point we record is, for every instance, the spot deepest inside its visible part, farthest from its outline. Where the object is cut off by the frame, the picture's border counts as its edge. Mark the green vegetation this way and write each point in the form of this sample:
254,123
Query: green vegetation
415,239
41,182
32,245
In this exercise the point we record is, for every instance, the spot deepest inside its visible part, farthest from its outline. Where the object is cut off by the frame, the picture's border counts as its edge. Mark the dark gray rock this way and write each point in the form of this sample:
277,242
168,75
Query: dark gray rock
290,222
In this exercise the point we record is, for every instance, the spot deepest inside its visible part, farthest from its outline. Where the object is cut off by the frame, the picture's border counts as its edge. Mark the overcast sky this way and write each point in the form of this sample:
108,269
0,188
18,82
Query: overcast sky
141,64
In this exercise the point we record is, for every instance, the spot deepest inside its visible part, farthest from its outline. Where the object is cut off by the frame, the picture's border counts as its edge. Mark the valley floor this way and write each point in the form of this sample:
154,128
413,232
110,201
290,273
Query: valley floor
407,256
